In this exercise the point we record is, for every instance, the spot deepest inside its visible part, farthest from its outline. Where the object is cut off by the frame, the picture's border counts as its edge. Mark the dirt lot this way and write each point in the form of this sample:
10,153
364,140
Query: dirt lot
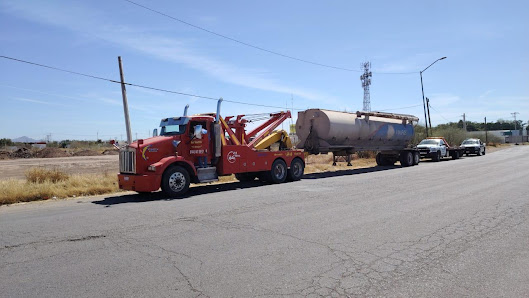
15,168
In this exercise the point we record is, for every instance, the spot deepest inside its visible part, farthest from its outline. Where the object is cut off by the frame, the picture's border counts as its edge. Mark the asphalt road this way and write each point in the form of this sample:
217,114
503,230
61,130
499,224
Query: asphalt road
446,229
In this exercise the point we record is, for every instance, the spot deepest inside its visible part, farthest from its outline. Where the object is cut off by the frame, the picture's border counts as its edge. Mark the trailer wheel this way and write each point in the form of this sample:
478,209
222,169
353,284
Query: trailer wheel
416,158
406,159
175,181
296,170
379,159
278,173
437,156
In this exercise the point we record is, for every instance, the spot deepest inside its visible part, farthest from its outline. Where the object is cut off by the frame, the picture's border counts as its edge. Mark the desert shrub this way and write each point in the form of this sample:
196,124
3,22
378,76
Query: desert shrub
42,175
366,154
454,136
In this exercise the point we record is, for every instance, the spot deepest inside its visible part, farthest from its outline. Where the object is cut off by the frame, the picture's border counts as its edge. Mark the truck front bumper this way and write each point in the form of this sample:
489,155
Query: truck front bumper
471,150
139,183
427,153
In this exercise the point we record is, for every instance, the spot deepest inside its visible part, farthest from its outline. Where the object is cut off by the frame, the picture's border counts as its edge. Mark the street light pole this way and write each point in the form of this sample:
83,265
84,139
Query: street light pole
424,106
423,101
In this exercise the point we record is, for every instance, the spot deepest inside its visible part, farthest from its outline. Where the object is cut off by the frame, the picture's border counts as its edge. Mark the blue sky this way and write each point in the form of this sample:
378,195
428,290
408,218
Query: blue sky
486,73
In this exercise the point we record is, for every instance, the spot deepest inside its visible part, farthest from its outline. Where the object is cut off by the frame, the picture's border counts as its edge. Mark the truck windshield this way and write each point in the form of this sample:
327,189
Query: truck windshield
172,130
429,142
470,142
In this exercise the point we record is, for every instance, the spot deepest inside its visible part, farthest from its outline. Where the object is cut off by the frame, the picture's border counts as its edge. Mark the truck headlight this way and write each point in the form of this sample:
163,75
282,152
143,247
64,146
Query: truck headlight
152,168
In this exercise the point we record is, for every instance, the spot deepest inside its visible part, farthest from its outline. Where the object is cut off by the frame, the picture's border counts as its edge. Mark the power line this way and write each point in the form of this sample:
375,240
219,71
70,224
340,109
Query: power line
59,69
402,108
254,46
138,85
439,113
147,87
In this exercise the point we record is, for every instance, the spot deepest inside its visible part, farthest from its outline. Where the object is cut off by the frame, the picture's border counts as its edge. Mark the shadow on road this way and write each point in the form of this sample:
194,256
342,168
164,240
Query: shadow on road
160,196
349,172
215,188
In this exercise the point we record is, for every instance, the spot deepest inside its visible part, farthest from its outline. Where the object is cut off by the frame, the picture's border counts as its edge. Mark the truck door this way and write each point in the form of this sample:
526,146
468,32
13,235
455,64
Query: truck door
443,148
199,144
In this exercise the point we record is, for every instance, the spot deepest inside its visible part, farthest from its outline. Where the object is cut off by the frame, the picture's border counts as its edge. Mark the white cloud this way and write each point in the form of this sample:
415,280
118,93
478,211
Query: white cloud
38,101
486,93
443,99
161,47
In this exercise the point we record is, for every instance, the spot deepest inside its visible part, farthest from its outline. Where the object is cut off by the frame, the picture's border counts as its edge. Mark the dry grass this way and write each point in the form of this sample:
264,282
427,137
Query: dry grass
43,184
323,162
42,175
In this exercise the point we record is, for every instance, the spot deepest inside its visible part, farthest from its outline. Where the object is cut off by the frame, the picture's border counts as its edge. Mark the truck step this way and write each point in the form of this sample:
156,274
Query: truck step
208,174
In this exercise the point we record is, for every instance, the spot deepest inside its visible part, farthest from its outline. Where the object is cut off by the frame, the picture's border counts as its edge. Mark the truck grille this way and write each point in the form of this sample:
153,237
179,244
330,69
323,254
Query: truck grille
127,161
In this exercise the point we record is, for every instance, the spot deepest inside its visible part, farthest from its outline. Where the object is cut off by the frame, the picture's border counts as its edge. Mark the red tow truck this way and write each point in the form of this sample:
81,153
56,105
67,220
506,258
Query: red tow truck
200,148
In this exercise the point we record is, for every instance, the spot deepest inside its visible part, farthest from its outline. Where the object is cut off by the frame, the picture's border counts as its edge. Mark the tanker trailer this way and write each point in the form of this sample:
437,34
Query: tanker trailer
343,133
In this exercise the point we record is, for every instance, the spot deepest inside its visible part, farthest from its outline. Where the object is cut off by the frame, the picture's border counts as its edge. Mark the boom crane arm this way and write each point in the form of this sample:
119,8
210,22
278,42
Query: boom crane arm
267,127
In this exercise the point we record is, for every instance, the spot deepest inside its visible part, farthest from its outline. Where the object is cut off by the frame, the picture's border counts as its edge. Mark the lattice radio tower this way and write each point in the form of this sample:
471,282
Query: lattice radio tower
366,81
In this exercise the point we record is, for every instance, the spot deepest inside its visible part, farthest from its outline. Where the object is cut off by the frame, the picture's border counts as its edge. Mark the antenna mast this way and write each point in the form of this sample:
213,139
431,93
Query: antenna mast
366,81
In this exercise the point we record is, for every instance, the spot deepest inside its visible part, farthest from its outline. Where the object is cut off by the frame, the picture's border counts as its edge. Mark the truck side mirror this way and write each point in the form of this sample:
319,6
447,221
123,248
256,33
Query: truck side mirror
155,132
198,132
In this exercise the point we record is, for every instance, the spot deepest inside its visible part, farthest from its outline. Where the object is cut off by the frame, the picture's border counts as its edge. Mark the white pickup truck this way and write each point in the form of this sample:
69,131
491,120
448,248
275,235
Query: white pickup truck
473,146
437,148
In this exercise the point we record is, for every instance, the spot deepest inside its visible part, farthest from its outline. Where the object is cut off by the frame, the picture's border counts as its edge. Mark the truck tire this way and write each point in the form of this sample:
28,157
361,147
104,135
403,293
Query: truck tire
278,172
296,170
175,181
378,159
455,155
406,159
484,151
245,177
479,152
437,156
416,158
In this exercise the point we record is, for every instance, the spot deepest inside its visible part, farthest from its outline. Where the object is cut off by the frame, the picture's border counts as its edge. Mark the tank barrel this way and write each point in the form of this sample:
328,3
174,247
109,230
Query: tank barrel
332,131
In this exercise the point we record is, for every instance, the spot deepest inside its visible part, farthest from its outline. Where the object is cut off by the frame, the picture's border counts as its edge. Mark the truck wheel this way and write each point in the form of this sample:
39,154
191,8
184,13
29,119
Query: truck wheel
245,177
455,155
437,156
175,181
416,158
484,151
479,152
296,170
406,159
378,159
278,173
382,160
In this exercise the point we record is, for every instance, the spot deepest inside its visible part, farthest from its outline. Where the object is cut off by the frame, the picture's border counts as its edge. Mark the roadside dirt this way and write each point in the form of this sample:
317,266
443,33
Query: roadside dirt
16,168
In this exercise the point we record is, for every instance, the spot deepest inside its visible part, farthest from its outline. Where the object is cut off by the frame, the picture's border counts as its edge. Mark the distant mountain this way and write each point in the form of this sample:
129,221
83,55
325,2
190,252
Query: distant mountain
25,139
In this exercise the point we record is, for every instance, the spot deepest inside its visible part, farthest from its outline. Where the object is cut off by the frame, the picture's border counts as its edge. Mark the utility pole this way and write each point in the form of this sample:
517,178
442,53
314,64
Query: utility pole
422,89
429,120
486,132
464,122
515,127
125,102
366,81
